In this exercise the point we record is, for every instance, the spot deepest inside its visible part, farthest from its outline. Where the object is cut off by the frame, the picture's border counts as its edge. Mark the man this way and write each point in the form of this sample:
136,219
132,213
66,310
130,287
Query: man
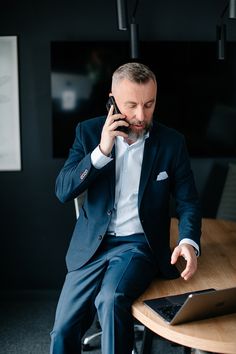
121,239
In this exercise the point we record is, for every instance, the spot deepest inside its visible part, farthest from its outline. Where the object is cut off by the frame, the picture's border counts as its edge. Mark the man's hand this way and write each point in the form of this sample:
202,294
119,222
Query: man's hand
109,131
187,252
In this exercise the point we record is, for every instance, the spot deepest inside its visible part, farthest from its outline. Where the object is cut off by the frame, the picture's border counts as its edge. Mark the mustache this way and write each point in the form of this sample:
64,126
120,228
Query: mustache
137,123
143,124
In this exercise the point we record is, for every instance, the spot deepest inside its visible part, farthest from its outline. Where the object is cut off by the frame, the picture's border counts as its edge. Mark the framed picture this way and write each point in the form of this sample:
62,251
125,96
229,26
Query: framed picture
10,149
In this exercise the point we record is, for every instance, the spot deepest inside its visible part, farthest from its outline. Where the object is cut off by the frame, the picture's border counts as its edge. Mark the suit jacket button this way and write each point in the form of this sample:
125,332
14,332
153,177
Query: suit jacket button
109,212
100,237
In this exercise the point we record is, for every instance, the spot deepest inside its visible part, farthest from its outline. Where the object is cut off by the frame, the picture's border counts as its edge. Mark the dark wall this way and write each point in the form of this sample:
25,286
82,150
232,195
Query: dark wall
35,227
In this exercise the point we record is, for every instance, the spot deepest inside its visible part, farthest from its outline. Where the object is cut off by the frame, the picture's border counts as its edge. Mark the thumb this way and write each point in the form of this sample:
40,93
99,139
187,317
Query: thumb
175,255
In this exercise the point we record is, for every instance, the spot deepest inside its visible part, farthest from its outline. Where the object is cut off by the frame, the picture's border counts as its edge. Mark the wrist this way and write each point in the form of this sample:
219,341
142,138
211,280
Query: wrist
104,152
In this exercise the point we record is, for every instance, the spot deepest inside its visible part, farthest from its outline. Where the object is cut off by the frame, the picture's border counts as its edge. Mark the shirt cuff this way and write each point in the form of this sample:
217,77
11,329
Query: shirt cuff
192,243
99,160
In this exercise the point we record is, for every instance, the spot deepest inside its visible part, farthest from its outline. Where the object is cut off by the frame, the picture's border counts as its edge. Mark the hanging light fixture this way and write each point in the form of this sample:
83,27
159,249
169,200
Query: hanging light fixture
134,34
122,14
221,41
221,34
123,25
134,41
232,9
221,28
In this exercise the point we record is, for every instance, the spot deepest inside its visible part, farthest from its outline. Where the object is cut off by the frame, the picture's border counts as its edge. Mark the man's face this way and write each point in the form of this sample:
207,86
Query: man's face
137,102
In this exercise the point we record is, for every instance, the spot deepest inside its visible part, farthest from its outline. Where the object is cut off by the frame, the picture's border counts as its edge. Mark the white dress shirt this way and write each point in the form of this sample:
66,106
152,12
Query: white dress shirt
125,219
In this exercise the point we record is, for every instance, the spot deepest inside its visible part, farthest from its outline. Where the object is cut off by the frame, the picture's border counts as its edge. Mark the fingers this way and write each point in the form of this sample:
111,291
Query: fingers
116,124
175,255
187,252
190,269
114,121
109,131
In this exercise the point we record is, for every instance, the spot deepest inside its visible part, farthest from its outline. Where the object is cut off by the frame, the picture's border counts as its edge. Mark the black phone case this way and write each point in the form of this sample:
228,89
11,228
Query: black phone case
111,101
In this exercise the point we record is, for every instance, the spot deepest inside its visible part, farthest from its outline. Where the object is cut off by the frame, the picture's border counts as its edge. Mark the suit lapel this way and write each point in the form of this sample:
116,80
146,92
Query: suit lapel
149,154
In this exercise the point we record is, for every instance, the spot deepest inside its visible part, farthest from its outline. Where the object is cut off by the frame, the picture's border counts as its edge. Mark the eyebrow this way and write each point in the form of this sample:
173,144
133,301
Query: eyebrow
133,102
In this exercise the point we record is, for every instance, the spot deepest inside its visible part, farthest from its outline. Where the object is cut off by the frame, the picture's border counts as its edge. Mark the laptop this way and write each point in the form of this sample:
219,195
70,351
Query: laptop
194,306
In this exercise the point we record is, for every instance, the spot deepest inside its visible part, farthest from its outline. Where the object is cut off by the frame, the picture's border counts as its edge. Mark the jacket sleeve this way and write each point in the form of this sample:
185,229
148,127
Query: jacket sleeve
78,171
187,202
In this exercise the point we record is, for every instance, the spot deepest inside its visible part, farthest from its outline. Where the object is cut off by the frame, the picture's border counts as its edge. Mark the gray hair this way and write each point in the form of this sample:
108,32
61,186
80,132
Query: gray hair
134,72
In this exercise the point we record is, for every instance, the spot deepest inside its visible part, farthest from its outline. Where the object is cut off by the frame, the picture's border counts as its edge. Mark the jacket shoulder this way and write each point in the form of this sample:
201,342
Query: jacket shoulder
166,136
90,129
169,133
93,122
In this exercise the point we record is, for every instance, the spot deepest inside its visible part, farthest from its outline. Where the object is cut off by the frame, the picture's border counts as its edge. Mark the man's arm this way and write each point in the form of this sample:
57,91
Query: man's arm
78,171
188,213
82,167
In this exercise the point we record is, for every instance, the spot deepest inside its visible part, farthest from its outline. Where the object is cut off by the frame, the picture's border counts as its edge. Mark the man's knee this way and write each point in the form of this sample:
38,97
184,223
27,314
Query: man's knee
111,300
61,332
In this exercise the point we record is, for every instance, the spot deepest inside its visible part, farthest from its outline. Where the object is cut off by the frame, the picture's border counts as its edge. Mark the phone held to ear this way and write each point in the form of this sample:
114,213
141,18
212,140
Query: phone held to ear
111,101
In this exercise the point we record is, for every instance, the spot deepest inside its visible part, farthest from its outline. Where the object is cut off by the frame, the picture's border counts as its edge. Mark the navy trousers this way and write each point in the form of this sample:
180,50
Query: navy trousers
117,274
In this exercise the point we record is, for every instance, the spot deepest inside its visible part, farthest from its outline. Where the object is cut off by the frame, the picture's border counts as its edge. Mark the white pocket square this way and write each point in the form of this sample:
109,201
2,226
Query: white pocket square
161,176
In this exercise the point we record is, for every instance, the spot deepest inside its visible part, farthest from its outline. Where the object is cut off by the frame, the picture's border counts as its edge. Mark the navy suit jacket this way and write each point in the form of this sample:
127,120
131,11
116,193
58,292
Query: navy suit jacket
164,151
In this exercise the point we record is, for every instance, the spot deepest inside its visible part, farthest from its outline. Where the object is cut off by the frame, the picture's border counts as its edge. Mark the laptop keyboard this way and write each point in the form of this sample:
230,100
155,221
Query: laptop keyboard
169,311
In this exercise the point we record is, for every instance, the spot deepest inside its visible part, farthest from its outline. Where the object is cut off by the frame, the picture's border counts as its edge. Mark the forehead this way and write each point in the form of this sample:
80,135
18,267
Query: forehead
134,90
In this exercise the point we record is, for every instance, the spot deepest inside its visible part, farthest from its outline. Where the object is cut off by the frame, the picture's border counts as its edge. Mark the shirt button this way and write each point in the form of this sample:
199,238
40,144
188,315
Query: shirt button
109,212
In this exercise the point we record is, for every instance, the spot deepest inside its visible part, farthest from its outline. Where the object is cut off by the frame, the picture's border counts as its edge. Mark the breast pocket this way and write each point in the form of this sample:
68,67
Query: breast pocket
160,188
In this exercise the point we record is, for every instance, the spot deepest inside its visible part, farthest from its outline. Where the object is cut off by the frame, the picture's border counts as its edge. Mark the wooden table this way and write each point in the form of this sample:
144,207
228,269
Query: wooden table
216,269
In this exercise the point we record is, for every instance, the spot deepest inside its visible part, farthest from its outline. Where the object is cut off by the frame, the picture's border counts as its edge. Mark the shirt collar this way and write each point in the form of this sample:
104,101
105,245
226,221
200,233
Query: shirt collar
140,139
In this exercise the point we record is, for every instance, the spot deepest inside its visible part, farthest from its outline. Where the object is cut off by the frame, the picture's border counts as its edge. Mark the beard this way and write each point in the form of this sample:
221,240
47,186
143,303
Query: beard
136,134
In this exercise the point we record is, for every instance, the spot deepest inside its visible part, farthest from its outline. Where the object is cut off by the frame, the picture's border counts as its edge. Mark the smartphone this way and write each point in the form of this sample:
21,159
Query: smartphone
111,101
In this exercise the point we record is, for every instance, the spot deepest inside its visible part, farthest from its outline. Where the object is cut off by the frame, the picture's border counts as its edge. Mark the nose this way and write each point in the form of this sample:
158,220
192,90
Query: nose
140,115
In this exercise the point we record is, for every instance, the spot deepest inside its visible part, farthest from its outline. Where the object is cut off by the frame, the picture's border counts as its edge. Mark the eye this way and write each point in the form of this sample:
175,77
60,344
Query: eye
131,105
149,104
